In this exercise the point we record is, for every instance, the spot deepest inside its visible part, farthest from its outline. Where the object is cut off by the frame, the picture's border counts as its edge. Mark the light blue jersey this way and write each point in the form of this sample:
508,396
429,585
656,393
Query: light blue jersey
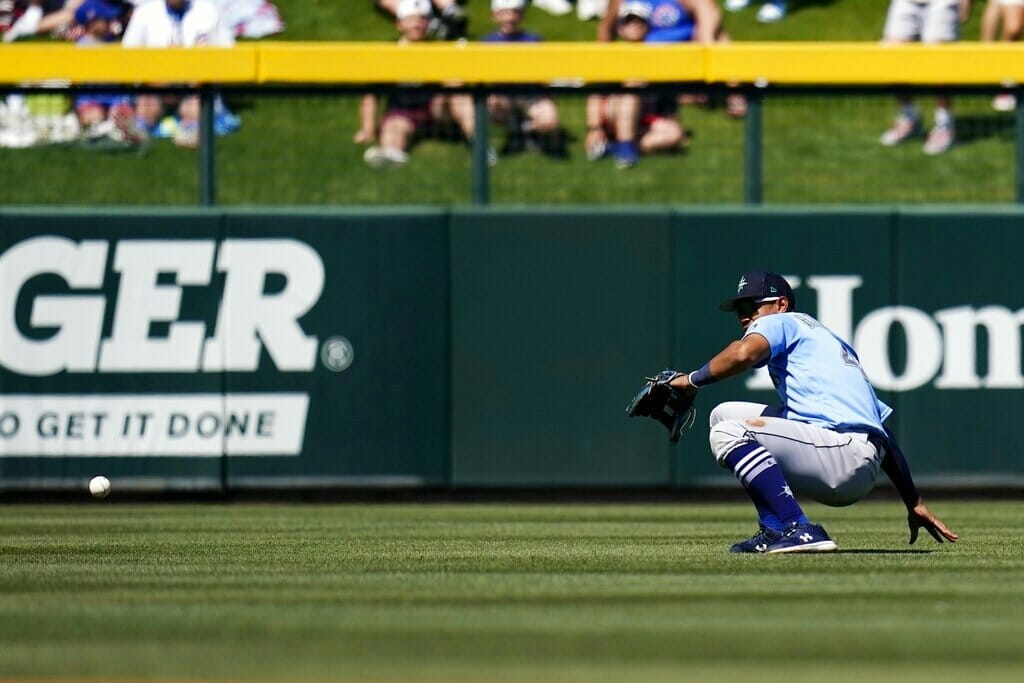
818,375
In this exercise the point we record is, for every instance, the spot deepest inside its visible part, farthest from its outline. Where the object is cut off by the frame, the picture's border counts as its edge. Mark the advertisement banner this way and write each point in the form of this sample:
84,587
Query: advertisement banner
169,344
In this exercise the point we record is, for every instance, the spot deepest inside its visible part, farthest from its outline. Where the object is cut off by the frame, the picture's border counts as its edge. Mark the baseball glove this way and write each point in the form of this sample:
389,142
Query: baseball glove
659,400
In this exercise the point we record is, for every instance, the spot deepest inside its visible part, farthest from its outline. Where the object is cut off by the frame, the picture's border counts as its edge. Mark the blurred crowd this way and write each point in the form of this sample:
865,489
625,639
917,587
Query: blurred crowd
102,118
623,126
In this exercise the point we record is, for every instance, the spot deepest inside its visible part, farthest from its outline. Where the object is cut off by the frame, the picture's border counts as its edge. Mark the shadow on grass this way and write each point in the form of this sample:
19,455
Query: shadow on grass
886,551
982,126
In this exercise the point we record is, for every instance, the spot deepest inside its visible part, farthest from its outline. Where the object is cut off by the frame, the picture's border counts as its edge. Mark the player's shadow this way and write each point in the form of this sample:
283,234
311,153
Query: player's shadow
884,551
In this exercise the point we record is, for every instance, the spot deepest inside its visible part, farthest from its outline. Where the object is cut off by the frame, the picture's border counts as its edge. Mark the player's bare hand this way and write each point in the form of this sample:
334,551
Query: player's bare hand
920,517
363,137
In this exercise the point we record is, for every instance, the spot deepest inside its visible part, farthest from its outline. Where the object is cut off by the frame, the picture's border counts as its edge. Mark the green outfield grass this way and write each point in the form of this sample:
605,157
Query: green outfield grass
299,150
494,592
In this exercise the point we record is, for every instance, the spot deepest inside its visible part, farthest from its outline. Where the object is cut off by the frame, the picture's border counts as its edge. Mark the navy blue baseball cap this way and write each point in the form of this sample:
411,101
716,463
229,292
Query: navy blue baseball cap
90,10
759,285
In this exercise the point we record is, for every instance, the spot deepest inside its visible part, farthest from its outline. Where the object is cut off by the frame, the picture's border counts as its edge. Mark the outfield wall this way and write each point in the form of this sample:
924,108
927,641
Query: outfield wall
197,349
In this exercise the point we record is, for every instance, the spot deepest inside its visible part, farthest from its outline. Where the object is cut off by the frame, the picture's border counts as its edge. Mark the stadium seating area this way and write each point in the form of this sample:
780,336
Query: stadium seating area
282,138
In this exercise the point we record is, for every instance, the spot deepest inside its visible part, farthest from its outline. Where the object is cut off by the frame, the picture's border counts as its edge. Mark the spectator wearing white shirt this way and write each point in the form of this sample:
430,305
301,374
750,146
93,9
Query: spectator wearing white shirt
175,23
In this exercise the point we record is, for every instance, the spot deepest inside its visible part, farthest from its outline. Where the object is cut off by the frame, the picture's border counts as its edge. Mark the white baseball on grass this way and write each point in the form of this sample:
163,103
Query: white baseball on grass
99,486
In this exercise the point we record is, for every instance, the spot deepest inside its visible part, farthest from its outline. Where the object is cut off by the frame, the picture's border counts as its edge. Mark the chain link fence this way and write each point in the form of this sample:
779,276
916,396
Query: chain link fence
299,147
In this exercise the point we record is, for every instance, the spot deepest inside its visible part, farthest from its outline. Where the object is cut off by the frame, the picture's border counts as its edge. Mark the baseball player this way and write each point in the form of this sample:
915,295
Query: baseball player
927,21
825,441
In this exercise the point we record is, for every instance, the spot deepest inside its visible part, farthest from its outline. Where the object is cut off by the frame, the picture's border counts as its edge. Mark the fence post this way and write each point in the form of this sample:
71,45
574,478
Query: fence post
1019,144
481,144
753,180
207,143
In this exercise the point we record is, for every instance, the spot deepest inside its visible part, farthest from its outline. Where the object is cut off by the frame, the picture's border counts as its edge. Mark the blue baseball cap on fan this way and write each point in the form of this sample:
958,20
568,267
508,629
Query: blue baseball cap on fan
760,285
91,10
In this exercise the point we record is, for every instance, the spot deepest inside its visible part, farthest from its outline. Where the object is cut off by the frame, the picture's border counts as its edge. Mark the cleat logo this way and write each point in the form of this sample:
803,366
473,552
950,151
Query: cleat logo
806,538
786,491
761,547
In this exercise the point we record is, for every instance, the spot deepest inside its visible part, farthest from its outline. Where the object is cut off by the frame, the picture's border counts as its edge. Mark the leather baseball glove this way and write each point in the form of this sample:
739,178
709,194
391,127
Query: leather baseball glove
659,400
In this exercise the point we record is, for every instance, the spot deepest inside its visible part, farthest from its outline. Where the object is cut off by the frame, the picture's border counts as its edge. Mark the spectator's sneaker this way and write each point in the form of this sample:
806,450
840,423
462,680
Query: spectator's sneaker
381,157
556,7
771,12
803,538
736,106
758,543
940,139
1004,102
187,134
736,6
626,155
904,128
590,9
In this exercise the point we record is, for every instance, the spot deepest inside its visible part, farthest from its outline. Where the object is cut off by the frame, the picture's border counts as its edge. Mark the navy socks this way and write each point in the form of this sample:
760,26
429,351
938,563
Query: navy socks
760,473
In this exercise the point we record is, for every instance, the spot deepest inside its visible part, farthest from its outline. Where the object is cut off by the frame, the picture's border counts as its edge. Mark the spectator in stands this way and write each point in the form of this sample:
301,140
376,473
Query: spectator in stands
931,22
626,124
530,121
103,114
174,23
1009,13
680,21
449,22
770,12
32,17
414,113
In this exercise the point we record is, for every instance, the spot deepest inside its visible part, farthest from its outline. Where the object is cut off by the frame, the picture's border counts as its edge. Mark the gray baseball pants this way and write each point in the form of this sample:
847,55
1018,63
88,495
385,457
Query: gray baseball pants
834,468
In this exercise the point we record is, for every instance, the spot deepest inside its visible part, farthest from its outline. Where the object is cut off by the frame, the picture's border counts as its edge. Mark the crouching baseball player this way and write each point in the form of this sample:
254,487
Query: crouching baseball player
825,441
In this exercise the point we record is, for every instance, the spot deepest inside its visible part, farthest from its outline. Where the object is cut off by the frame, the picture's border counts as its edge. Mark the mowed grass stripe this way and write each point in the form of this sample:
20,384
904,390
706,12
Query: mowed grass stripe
498,592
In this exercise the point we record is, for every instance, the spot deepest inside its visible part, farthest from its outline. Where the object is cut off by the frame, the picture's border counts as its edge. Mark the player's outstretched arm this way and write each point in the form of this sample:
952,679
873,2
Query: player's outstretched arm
895,466
735,358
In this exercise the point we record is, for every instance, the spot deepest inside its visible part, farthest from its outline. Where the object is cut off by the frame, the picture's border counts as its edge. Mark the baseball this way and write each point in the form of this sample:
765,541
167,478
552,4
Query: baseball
99,487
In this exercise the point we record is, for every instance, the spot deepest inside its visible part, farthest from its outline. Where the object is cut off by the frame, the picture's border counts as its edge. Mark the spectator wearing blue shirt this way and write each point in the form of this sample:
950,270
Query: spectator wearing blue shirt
626,124
679,21
103,114
531,121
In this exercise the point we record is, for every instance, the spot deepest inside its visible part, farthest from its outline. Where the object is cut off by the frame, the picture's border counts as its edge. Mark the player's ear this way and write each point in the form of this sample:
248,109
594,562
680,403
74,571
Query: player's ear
783,304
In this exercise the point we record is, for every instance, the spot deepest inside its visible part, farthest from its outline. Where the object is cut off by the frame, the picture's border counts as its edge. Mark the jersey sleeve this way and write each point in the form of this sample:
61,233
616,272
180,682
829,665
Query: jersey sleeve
775,329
